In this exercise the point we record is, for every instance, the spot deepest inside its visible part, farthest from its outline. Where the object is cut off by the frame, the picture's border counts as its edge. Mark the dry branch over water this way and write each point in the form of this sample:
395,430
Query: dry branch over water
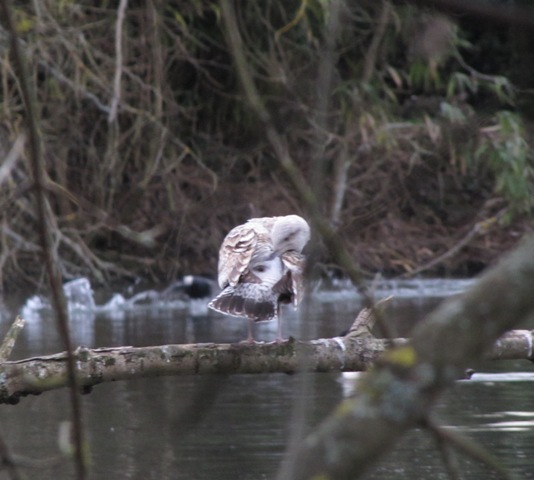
351,353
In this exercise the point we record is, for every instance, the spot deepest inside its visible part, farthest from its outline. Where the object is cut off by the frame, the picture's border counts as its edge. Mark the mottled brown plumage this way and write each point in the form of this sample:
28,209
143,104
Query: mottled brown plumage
244,244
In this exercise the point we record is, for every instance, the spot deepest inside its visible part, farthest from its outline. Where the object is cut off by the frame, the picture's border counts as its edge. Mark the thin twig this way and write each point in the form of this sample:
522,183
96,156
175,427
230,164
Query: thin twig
342,163
479,228
468,447
118,62
328,58
50,261
11,158
63,79
449,459
370,57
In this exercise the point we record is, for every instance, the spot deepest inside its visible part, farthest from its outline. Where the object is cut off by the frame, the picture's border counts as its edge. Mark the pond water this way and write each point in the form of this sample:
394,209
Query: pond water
237,427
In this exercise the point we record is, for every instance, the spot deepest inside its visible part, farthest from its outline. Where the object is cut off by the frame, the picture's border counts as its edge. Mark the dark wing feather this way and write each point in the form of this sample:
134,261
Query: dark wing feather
294,263
284,289
250,300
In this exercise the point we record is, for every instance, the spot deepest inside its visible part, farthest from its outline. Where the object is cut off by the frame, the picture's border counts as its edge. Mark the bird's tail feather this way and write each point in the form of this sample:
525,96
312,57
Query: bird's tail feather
246,300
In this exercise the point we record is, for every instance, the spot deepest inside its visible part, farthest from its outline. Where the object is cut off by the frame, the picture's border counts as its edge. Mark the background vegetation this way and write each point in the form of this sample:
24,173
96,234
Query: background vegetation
412,125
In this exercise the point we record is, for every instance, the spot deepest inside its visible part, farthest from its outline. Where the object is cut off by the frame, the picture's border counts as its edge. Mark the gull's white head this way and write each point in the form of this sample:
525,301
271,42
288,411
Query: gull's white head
290,233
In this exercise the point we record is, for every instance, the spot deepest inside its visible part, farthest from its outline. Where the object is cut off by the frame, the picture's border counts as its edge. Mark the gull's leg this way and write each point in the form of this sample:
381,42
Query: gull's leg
250,338
279,338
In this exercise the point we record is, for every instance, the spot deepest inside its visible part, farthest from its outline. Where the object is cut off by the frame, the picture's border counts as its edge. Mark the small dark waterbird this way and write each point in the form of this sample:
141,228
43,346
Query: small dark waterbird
191,287
261,267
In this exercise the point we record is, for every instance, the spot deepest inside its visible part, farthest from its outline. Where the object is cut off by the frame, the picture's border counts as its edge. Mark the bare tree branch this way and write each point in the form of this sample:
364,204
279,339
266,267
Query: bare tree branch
447,438
118,62
372,52
480,228
50,260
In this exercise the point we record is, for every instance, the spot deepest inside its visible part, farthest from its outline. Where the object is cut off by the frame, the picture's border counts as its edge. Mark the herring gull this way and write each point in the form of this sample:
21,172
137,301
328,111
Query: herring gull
260,267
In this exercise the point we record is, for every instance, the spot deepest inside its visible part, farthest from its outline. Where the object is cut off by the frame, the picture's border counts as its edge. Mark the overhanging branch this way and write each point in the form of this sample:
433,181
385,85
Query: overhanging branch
353,352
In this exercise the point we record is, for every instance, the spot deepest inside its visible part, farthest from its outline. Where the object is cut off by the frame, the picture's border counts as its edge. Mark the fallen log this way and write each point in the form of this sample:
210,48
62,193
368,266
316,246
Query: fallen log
355,351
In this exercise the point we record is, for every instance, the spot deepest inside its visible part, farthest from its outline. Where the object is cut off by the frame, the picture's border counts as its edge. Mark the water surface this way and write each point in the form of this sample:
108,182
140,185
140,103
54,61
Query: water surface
237,427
